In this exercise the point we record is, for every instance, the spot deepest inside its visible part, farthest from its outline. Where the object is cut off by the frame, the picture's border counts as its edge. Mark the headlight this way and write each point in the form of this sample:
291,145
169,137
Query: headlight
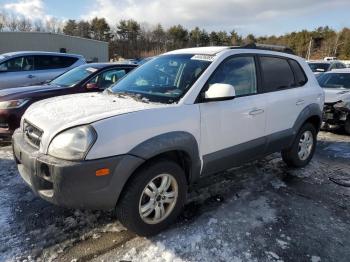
342,105
73,144
13,103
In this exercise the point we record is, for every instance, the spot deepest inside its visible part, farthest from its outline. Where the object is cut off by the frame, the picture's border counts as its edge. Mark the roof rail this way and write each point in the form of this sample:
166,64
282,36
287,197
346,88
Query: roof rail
276,48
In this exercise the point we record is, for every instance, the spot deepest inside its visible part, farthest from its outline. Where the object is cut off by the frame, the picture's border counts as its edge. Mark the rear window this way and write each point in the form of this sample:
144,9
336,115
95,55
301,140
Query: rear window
300,76
45,62
277,73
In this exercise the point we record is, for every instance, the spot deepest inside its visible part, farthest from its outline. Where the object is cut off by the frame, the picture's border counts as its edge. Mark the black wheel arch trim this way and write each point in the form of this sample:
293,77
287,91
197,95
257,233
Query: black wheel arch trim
309,111
168,142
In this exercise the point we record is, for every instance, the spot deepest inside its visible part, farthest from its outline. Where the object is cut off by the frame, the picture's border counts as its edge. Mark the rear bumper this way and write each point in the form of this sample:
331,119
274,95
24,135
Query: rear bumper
73,184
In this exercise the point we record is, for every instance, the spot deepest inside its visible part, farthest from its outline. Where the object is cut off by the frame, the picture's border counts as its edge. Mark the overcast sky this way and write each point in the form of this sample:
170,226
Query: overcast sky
260,17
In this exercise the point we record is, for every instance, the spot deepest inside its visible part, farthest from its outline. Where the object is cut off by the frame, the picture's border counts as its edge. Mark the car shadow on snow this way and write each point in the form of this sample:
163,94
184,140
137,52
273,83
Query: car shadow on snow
248,194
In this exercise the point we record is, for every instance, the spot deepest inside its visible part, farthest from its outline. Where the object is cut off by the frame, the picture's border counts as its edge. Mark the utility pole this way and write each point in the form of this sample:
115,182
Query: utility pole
336,45
309,50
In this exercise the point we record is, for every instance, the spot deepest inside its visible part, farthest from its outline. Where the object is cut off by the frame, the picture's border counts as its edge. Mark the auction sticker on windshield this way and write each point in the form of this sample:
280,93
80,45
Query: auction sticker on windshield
91,69
209,58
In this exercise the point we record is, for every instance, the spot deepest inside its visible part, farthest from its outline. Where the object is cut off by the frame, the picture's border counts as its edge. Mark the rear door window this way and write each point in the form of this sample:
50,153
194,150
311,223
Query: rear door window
46,62
276,74
17,64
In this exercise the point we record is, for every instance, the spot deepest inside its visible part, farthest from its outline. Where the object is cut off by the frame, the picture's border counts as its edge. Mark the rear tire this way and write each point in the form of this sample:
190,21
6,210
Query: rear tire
303,147
347,125
153,198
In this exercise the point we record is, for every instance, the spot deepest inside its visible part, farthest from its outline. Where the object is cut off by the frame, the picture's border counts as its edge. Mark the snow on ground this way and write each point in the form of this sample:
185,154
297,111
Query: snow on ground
262,211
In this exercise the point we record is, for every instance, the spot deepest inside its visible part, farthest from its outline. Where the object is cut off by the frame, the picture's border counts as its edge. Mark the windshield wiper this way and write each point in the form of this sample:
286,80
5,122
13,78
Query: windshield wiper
136,97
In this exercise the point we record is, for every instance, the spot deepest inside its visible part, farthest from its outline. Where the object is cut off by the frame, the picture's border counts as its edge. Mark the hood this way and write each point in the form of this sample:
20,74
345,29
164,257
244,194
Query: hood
59,113
336,94
26,91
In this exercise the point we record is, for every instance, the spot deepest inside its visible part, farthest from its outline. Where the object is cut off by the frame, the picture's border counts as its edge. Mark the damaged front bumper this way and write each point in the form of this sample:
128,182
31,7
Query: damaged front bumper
336,113
72,184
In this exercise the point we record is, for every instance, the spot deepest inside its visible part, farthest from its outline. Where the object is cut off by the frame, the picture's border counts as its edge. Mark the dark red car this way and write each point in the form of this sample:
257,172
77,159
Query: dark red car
85,78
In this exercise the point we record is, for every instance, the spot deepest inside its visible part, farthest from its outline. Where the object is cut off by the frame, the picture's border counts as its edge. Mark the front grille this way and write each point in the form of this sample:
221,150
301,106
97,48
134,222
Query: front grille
32,134
3,123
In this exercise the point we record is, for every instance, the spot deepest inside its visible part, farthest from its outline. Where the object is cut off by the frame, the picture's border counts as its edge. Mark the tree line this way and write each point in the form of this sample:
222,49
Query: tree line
131,39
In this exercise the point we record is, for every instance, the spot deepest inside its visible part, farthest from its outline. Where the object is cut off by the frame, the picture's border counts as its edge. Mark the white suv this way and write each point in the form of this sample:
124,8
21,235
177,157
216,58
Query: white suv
181,116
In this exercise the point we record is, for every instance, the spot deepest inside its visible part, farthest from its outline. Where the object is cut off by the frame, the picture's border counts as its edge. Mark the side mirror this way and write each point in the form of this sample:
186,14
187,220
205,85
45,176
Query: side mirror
220,92
91,86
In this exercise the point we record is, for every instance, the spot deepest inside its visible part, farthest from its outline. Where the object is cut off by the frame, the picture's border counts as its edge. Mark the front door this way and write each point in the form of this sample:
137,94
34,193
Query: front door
233,131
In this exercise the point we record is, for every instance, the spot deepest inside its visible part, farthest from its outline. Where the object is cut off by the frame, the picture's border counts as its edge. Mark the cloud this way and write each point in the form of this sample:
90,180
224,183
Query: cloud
30,9
224,14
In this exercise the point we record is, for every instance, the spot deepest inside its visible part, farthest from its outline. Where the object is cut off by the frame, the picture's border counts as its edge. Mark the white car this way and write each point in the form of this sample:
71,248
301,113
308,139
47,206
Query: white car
321,66
336,85
181,116
27,68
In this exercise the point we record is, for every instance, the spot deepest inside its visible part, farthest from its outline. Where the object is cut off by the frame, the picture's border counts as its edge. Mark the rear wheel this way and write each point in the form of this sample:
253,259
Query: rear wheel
153,198
303,147
347,125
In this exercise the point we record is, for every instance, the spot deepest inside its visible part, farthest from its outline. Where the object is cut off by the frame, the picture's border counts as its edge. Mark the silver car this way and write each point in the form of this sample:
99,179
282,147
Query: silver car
31,68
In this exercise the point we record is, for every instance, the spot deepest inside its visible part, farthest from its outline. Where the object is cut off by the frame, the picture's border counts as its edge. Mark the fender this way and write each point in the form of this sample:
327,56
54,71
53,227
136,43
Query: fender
307,112
172,141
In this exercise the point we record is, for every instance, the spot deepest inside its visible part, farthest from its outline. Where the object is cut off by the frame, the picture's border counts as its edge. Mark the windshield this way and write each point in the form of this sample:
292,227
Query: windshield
319,67
74,76
164,79
335,80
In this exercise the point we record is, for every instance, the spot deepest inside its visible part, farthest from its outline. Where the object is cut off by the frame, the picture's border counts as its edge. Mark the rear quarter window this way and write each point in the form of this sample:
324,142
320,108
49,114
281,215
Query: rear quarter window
277,74
300,76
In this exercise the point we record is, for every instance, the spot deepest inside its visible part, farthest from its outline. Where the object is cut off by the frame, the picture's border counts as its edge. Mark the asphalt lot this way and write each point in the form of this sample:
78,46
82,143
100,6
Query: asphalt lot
259,212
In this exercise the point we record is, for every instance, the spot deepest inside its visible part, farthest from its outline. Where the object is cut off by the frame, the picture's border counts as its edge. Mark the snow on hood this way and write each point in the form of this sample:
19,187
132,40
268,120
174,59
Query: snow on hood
59,113
336,94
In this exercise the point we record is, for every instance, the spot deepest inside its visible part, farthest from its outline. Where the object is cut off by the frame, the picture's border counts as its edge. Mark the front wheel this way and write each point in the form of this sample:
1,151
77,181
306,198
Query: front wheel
303,147
153,198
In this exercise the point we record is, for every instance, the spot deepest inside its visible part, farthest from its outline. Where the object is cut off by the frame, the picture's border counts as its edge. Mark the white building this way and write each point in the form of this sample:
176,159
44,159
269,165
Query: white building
92,50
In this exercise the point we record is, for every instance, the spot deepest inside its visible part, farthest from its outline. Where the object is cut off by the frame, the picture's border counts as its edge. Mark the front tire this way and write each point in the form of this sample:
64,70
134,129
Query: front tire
303,147
153,198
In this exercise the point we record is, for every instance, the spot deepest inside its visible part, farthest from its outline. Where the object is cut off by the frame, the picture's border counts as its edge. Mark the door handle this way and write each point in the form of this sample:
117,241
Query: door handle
300,102
256,111
30,76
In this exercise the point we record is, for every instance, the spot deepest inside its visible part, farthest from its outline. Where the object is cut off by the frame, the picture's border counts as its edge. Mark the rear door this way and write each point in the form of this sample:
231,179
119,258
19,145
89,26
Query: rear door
233,131
48,67
17,71
284,82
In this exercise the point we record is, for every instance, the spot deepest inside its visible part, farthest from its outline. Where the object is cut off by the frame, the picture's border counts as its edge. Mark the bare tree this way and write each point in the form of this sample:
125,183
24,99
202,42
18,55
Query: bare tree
2,21
53,25
12,23
38,26
24,25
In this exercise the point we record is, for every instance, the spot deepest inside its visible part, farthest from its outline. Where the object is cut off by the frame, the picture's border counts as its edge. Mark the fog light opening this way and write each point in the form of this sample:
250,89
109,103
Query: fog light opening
45,171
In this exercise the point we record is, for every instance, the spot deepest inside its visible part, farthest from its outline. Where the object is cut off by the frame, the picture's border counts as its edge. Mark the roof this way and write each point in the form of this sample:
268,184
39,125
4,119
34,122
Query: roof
39,53
210,50
213,50
343,70
106,65
322,61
